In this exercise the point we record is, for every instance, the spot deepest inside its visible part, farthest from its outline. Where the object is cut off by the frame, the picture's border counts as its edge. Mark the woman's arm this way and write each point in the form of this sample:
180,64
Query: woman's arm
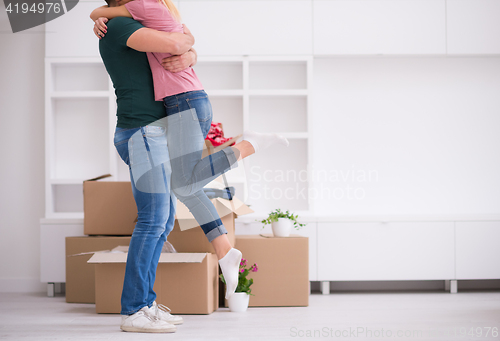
110,12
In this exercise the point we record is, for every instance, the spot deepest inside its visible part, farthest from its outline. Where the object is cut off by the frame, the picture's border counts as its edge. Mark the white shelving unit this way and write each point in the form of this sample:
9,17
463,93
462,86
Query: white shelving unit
265,94
79,125
258,93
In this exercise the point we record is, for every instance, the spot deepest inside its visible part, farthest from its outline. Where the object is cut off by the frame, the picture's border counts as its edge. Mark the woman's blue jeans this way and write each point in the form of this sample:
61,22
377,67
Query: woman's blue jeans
164,160
188,120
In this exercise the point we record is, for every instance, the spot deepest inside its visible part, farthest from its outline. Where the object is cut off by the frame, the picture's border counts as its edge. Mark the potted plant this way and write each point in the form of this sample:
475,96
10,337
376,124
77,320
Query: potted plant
282,222
238,302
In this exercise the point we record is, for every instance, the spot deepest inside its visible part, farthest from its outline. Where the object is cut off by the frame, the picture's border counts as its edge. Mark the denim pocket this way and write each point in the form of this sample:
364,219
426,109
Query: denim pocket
171,102
121,138
153,131
122,149
202,107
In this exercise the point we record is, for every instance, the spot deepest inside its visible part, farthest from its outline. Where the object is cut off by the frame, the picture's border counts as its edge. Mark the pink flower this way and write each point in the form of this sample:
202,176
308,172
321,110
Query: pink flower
255,268
242,270
243,262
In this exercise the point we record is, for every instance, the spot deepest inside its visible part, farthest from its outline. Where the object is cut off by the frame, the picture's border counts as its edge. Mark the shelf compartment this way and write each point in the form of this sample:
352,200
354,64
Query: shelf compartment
283,114
278,178
220,75
277,75
68,198
229,112
79,77
81,138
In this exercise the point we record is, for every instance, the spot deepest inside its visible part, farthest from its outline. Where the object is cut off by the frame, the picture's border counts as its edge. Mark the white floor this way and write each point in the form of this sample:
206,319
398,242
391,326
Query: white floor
349,316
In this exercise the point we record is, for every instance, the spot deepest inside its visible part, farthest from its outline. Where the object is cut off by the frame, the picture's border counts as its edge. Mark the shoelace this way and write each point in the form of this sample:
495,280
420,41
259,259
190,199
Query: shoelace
163,308
150,317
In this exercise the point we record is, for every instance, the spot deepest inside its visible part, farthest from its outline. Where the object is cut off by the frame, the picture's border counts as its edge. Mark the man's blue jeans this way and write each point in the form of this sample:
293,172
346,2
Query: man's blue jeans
156,217
164,160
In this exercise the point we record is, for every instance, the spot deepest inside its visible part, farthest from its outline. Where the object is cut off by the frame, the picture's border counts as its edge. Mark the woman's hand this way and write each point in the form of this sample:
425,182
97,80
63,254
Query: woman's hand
100,27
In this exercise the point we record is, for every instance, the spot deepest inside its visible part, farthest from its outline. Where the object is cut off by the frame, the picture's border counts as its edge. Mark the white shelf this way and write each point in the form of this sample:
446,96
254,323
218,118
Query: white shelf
79,94
278,92
61,181
66,215
61,221
225,93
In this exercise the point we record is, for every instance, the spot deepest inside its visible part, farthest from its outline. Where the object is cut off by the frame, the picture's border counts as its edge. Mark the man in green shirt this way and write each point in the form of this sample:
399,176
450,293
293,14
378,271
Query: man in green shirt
122,51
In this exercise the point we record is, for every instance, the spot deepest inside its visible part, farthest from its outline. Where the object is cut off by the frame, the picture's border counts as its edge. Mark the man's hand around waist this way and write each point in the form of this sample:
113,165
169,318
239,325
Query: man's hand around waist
181,62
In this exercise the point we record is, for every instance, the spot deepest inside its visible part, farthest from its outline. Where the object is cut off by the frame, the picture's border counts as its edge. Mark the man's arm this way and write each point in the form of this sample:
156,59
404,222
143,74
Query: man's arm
110,12
195,57
148,40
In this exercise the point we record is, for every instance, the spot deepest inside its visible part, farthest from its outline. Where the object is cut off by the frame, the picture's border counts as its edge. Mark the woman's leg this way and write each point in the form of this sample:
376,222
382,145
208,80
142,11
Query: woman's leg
186,130
188,122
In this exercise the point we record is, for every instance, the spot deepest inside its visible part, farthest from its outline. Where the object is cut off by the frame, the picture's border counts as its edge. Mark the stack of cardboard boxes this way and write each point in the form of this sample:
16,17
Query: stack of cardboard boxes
187,281
109,214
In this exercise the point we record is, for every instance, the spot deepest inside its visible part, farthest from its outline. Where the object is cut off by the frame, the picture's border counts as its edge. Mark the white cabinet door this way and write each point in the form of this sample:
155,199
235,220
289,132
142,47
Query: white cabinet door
385,251
473,26
71,35
478,250
53,250
249,27
379,27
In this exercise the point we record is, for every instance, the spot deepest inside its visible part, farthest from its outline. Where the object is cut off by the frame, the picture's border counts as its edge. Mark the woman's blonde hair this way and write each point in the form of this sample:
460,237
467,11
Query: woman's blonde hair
173,10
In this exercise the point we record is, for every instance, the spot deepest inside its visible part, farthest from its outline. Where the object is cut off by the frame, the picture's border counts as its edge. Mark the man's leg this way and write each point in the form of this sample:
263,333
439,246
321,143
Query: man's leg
153,211
160,311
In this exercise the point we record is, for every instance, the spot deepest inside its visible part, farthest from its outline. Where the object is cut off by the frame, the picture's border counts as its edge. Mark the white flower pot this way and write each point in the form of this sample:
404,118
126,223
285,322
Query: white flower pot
238,302
282,227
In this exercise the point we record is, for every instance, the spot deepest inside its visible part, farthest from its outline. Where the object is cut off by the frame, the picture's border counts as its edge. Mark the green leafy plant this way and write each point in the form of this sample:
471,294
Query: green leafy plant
277,213
243,282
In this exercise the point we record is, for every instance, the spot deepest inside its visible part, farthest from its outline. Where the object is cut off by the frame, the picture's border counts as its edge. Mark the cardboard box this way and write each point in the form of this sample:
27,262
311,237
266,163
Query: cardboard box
109,207
187,283
187,236
282,278
80,277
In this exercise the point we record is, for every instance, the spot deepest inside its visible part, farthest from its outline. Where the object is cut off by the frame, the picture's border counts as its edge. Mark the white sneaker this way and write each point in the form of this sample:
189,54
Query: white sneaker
144,322
162,313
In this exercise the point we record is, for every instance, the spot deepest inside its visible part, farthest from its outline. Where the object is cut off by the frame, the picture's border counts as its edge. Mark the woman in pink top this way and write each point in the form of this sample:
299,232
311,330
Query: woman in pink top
187,122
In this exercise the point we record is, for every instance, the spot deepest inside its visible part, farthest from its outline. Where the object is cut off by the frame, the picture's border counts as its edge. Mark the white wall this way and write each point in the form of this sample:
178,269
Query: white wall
419,134
22,159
